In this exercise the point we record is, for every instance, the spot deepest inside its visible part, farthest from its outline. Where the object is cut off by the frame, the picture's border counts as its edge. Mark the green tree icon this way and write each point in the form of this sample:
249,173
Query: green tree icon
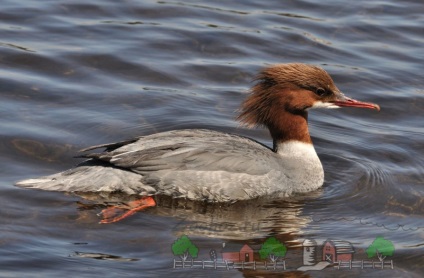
183,247
381,248
272,249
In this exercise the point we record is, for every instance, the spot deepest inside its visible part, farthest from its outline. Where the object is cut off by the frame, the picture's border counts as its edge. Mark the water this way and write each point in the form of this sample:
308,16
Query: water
78,73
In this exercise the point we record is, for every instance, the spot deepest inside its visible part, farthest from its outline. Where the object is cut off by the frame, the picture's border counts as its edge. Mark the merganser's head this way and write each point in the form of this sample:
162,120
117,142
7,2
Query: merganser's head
292,88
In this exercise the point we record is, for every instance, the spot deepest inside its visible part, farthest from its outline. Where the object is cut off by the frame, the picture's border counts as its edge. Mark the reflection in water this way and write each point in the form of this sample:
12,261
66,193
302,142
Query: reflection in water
243,220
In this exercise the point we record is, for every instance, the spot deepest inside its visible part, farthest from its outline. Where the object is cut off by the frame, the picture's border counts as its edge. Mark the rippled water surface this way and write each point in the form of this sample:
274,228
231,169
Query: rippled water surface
80,73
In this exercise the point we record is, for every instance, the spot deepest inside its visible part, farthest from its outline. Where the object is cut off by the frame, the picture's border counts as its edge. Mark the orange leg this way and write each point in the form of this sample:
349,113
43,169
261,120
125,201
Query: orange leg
114,213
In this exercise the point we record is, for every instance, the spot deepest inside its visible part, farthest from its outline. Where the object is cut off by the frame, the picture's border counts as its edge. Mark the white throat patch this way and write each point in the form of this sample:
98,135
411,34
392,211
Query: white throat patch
320,104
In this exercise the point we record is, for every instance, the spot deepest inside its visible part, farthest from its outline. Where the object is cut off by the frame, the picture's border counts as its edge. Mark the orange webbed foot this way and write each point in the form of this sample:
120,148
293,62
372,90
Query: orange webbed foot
117,213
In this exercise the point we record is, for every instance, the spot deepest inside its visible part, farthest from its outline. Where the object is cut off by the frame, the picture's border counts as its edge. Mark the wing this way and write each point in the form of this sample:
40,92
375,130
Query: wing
200,150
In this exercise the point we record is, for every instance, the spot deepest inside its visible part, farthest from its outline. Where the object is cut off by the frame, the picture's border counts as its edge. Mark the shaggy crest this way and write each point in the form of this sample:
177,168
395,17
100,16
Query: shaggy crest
271,84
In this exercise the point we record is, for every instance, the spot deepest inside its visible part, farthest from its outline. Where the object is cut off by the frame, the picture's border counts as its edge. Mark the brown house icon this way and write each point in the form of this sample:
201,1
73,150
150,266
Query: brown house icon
337,250
237,252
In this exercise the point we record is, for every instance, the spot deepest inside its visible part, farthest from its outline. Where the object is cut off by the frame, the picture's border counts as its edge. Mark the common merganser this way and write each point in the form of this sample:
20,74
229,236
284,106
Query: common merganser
214,166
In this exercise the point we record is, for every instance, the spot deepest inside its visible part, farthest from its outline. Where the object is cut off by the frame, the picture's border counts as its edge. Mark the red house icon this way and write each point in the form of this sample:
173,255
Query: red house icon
236,252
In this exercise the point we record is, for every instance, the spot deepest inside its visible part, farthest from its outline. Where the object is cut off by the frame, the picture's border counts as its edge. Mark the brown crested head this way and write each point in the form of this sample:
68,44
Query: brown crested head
291,89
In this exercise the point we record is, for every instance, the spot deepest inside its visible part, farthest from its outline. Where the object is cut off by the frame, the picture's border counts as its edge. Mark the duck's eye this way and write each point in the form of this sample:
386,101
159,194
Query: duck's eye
320,92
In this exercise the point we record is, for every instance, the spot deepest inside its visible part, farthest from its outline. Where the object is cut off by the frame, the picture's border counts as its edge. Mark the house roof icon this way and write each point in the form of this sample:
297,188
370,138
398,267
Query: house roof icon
341,246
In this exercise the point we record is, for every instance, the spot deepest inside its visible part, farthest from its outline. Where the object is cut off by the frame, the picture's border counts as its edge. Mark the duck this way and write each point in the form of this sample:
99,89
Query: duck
212,166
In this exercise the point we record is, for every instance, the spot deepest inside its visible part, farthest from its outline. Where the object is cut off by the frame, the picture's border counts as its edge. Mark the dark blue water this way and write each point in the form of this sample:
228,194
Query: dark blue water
78,73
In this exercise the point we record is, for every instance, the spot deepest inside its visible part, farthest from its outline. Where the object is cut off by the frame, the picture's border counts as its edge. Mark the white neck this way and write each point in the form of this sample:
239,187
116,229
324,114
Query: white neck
301,164
296,149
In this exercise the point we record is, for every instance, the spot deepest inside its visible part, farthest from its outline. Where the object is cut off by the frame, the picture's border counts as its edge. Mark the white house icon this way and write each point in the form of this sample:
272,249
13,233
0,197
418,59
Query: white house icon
309,252
309,257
